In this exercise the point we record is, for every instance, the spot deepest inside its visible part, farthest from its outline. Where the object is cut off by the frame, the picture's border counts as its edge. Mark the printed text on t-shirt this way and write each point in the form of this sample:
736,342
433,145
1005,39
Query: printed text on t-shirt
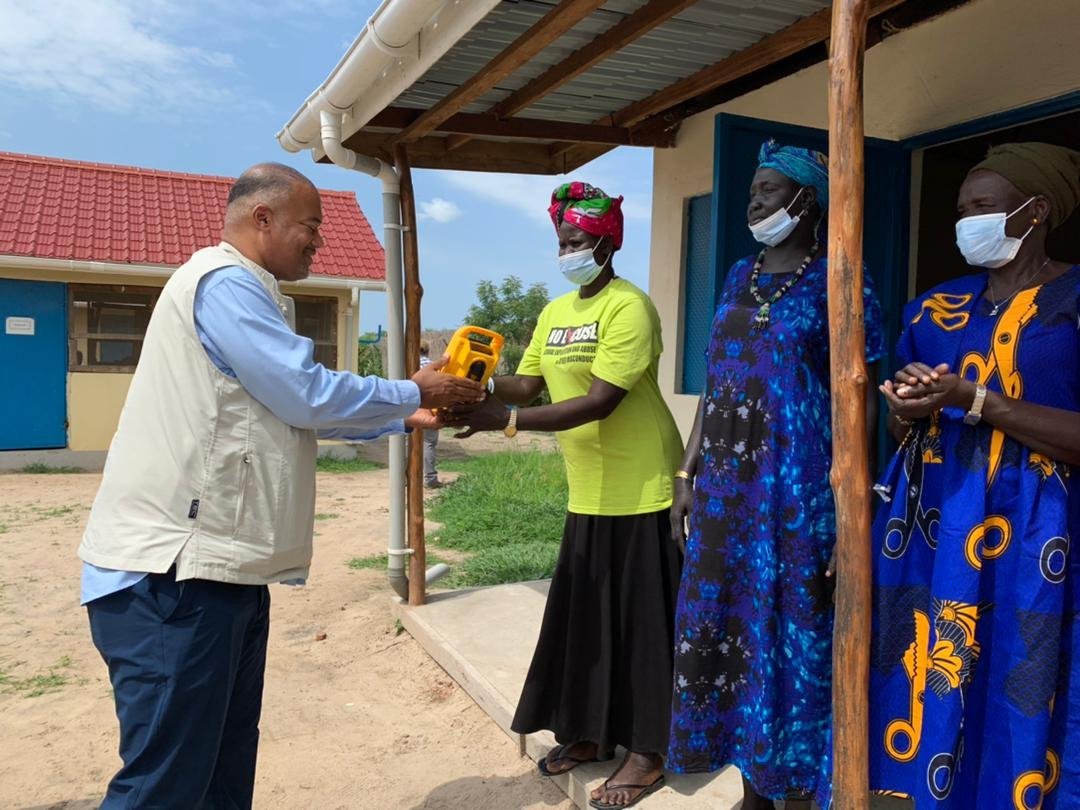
569,335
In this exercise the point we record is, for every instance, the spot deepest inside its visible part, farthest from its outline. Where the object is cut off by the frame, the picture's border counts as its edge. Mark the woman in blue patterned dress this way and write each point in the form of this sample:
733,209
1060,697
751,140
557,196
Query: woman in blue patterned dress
753,636
976,694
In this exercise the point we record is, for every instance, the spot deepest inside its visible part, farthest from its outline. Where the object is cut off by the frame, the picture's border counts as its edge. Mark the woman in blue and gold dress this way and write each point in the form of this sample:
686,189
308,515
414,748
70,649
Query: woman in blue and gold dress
975,699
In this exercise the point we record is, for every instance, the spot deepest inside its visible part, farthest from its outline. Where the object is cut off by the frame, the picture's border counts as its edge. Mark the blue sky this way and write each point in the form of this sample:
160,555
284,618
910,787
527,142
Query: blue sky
204,87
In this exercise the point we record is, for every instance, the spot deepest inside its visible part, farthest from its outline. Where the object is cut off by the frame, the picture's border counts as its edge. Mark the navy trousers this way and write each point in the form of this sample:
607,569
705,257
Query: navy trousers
186,661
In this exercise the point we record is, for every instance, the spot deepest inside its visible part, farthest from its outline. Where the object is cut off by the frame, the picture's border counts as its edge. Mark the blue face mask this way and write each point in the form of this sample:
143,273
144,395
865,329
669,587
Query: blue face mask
580,267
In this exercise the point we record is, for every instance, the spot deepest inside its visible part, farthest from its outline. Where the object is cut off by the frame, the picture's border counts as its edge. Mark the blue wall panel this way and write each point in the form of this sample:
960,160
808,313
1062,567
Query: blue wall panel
33,406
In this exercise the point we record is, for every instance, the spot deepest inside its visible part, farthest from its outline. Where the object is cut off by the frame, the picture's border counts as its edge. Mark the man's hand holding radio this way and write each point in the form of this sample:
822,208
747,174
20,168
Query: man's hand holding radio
439,390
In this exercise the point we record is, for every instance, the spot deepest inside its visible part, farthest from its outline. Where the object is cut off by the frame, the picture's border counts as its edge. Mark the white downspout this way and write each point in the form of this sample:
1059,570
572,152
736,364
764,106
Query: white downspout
395,334
352,329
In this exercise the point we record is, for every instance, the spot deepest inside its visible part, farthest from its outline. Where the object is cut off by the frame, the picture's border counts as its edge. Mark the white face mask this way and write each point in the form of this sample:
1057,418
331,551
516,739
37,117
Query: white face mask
580,267
983,242
776,227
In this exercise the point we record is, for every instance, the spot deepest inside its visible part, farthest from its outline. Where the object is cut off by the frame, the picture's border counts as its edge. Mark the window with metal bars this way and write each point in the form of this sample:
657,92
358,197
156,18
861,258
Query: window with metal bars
107,324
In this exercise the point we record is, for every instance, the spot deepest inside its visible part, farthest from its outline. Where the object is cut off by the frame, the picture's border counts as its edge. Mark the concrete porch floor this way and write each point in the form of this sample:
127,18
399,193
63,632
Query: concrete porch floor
484,639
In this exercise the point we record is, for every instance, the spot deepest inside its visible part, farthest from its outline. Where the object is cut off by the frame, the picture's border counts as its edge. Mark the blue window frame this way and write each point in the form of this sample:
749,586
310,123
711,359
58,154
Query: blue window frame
699,292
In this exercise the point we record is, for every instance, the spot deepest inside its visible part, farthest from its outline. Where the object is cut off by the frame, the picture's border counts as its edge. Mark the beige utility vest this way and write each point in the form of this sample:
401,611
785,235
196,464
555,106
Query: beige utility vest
199,473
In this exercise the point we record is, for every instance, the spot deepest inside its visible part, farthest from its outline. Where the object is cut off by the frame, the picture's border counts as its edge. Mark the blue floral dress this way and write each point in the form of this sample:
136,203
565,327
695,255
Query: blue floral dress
976,691
753,635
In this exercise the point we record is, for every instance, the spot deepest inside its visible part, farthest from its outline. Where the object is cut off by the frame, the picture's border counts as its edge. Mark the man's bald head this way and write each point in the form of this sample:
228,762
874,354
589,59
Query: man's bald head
267,183
273,216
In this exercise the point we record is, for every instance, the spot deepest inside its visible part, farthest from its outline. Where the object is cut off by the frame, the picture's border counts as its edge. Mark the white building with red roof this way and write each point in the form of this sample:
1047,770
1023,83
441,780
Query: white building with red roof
84,251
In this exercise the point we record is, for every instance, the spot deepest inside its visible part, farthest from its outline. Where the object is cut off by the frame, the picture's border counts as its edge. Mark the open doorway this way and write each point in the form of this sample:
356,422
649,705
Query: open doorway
943,170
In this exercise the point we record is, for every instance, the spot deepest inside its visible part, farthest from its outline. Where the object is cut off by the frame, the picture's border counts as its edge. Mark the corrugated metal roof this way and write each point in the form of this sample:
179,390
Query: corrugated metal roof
705,33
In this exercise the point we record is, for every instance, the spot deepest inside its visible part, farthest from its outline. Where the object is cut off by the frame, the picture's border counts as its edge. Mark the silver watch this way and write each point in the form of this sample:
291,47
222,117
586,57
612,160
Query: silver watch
974,414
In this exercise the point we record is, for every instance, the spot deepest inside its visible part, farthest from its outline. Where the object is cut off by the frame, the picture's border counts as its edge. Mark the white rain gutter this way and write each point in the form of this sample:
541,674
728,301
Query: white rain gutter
14,262
401,41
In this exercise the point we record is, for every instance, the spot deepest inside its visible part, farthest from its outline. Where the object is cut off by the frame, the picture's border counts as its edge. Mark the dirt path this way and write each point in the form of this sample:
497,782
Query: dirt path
362,719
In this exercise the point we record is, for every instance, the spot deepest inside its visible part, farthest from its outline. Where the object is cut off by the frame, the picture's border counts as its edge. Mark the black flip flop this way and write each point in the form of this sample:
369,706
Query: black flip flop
646,790
559,755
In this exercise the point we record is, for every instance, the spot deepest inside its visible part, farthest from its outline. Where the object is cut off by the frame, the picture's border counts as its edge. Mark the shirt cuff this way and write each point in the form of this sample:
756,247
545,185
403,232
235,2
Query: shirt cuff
410,393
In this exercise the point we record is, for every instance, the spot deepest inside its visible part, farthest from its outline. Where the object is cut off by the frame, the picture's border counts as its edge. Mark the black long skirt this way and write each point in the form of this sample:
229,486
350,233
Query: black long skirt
602,668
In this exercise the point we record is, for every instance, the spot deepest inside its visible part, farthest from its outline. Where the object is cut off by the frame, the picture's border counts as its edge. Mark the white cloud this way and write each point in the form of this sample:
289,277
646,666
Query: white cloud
530,194
111,54
439,210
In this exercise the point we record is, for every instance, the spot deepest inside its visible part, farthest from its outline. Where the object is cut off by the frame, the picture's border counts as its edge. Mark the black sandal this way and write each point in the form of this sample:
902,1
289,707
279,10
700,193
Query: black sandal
558,751
646,790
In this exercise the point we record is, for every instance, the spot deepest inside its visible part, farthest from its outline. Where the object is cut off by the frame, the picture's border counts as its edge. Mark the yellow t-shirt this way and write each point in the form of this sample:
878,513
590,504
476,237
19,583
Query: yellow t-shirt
621,465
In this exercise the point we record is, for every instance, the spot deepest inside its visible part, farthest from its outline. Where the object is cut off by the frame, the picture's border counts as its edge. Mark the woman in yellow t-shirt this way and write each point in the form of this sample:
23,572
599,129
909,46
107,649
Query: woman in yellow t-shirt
601,673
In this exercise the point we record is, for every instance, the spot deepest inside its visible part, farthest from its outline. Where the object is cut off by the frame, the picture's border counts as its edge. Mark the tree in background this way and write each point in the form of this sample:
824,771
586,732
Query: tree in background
369,355
511,310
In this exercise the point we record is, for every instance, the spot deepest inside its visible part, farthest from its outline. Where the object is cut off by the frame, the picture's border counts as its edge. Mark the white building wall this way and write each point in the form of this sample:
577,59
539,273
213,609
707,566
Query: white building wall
986,57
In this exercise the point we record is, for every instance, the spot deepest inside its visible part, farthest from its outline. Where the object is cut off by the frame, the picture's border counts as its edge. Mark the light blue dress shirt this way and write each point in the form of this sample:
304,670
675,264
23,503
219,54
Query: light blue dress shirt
244,335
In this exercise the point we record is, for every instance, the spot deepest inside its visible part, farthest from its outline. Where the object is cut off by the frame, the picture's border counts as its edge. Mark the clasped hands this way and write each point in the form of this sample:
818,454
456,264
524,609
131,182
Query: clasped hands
441,391
917,390
490,414
461,402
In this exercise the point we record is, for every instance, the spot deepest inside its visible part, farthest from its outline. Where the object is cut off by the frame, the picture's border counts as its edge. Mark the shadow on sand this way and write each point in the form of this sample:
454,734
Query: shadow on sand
491,793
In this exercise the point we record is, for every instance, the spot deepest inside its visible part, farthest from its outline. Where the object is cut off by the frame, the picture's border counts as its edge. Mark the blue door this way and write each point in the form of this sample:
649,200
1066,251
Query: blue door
885,231
33,357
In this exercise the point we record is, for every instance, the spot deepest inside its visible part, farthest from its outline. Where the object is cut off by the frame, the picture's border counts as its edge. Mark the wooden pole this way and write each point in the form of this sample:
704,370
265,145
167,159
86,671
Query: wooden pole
414,476
850,473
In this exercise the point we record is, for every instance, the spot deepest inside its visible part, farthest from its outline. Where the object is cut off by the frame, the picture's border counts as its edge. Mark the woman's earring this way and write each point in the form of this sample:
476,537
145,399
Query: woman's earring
1035,221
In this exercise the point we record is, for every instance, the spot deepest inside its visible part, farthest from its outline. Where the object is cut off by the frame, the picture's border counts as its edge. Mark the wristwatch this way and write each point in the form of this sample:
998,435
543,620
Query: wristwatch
510,431
974,414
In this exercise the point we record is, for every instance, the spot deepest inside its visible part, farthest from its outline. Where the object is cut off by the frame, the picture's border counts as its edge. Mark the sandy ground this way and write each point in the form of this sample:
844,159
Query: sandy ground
362,719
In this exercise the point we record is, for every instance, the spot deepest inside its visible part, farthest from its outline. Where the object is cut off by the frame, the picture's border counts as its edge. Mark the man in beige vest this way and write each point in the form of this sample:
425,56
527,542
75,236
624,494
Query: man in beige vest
208,496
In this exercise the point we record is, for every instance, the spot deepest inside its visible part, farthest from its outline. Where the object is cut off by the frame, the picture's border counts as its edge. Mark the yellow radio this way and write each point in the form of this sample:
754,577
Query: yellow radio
473,353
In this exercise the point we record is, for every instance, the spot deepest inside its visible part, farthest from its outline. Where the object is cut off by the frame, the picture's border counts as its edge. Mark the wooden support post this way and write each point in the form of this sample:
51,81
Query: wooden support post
850,473
414,476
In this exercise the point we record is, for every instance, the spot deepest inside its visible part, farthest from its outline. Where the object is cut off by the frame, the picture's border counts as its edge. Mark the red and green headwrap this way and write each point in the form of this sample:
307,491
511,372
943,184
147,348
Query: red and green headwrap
588,208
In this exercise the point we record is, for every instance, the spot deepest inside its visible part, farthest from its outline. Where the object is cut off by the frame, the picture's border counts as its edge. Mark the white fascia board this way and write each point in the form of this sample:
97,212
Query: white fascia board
163,271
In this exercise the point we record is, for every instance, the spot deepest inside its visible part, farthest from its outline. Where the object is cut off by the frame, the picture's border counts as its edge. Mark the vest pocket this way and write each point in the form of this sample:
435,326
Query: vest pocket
241,490
257,528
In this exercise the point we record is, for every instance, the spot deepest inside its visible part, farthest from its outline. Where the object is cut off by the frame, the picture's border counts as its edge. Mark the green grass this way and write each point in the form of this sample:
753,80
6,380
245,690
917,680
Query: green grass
328,464
58,511
326,515
378,562
40,684
506,513
455,464
47,469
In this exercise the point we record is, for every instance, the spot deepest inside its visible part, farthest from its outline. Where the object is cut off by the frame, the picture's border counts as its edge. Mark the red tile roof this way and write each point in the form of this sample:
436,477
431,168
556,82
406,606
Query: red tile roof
64,209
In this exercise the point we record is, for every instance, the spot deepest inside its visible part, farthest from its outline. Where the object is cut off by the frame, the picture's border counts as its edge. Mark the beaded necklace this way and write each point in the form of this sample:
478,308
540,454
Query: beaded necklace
761,320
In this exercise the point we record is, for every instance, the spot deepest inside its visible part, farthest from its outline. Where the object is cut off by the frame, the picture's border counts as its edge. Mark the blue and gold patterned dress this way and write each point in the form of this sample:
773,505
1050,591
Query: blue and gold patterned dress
753,638
975,702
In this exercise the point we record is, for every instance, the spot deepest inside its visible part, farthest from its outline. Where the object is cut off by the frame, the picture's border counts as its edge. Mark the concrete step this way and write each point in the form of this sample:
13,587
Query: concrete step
484,639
